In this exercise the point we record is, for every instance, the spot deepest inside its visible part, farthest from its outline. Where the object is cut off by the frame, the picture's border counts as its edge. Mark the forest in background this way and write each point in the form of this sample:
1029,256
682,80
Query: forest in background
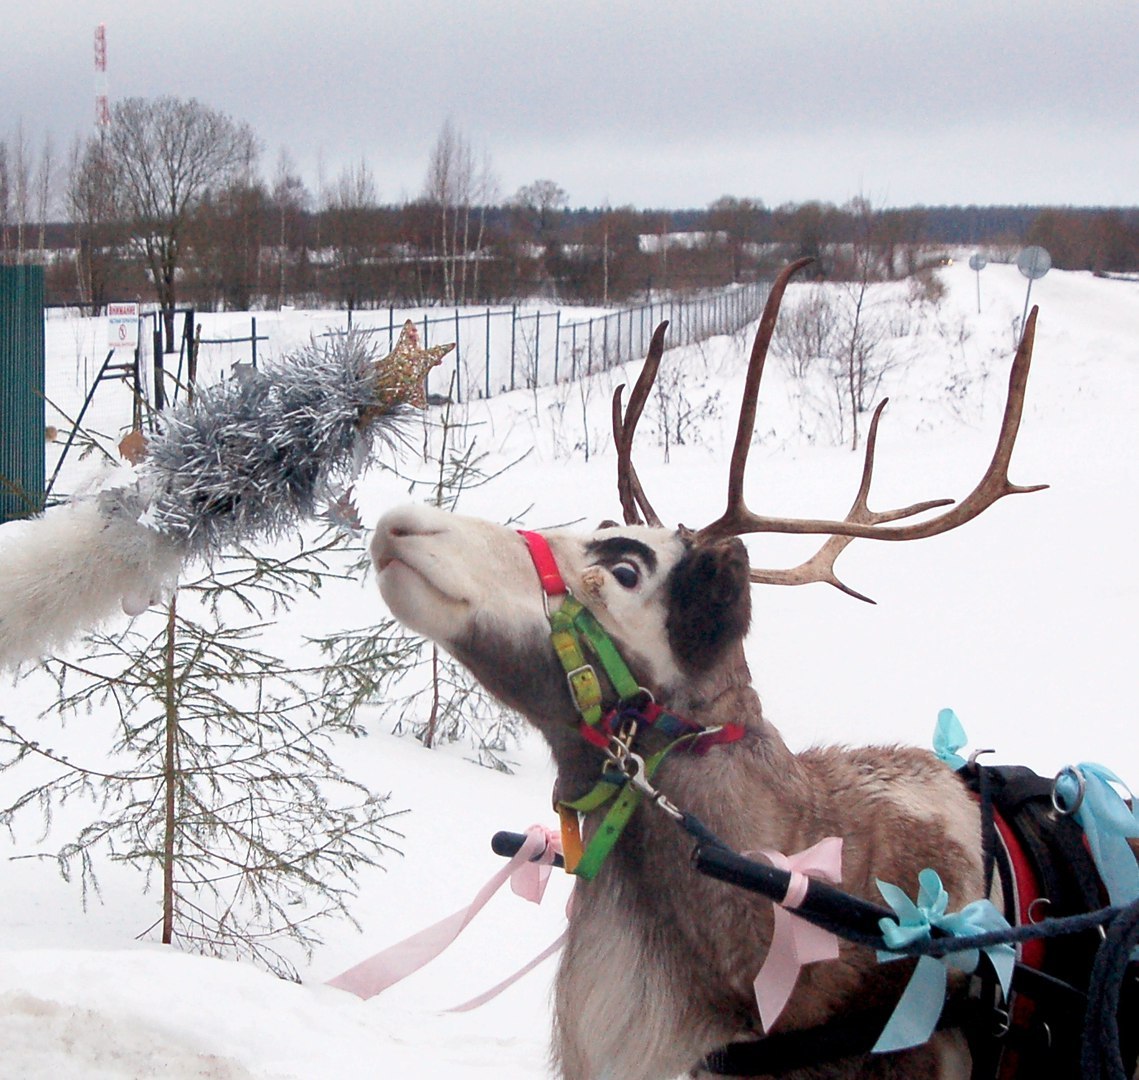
169,204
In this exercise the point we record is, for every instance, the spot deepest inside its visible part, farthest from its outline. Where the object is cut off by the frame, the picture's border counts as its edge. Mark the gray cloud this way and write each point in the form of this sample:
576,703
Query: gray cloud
665,104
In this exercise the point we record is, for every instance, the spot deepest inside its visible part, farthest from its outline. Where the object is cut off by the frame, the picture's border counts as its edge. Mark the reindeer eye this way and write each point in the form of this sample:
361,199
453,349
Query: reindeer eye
627,574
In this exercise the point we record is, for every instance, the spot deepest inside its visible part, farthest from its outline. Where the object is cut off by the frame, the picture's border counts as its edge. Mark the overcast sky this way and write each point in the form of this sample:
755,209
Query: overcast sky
655,104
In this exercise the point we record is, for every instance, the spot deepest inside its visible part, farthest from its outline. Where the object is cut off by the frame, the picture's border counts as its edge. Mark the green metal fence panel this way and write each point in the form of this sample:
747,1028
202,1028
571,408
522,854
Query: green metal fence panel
21,391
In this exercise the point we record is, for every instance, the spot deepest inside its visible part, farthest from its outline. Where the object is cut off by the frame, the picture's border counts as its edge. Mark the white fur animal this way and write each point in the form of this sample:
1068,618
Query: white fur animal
659,960
73,568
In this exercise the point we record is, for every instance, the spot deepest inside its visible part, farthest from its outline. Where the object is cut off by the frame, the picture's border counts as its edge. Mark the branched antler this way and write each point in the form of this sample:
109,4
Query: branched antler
860,521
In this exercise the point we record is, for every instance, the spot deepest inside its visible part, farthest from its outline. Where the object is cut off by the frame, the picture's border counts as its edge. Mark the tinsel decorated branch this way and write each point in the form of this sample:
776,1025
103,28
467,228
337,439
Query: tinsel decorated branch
248,460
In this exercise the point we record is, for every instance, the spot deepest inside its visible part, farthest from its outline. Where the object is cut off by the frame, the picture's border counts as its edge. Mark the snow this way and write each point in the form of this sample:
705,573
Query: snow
1023,622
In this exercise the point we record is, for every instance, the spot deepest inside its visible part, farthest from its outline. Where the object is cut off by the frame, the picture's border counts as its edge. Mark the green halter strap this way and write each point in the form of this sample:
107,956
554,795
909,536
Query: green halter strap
578,638
572,626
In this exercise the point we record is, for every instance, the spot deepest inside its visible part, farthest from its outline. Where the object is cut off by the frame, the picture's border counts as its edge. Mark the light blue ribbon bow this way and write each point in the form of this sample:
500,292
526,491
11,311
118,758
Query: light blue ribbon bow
914,1019
948,737
1107,822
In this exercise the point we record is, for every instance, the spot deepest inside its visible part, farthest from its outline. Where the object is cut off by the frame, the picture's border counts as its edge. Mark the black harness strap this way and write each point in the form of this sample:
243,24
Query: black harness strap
1054,846
849,1035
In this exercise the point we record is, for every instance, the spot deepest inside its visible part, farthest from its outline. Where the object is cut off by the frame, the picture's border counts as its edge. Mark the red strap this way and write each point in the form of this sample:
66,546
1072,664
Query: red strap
544,563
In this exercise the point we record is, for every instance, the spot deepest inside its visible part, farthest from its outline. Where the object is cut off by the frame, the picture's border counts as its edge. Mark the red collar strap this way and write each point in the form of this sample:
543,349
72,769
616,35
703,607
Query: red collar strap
544,563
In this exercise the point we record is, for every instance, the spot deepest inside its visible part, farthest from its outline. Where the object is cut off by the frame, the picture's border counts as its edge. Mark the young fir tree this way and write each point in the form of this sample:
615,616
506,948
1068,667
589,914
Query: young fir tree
220,785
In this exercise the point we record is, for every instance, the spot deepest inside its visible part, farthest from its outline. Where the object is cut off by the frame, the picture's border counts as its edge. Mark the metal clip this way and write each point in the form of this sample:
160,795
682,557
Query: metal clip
1001,1023
634,767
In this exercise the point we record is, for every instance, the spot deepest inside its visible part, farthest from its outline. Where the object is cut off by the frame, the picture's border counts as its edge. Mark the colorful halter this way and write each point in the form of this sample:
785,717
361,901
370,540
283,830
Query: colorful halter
577,636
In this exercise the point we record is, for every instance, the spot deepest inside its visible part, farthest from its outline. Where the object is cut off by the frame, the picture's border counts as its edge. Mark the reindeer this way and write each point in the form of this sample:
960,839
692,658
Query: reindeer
658,963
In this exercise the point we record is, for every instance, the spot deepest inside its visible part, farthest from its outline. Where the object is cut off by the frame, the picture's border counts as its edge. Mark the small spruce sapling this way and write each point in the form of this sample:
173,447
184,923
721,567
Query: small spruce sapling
220,785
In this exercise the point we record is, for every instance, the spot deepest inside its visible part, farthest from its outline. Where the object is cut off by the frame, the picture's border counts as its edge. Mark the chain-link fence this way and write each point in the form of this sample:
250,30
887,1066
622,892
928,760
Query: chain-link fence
504,349
497,349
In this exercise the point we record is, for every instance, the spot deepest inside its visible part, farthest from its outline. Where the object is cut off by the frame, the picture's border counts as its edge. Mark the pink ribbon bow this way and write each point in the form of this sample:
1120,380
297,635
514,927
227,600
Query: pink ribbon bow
795,941
528,880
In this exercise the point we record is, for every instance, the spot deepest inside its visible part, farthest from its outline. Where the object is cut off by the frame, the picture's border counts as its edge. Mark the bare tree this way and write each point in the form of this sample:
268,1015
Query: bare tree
21,187
289,199
485,193
736,223
453,187
5,198
90,204
539,207
166,154
44,189
863,365
350,205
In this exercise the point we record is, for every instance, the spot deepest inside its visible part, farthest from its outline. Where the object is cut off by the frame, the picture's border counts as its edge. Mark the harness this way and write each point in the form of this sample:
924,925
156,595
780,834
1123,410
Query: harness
580,641
1029,840
1041,855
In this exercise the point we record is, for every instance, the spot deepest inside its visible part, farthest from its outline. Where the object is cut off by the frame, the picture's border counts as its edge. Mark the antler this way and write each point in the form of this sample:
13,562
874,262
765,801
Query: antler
861,521
629,489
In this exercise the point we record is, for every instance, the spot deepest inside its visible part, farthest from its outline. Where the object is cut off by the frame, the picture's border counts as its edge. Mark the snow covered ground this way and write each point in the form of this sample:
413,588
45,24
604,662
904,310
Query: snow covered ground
1023,621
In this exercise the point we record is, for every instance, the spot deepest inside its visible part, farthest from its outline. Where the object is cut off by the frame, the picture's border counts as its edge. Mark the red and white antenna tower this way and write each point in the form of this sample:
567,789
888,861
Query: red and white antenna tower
102,110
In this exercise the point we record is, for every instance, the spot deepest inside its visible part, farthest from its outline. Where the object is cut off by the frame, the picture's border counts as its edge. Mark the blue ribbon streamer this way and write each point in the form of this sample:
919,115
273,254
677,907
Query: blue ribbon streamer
915,1017
1107,822
948,737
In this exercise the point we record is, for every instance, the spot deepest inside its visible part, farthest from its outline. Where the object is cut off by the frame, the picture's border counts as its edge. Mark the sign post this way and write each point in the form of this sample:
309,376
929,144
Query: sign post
1033,262
978,262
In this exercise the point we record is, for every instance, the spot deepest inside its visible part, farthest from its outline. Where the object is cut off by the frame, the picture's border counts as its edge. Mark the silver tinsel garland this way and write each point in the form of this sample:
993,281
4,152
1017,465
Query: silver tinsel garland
252,456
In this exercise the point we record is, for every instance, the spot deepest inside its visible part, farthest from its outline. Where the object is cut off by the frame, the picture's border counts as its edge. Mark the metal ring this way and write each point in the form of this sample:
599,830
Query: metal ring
1030,914
1081,789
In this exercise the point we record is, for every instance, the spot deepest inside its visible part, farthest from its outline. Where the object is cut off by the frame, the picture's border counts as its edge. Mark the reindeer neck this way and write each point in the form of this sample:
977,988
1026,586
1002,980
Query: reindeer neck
720,699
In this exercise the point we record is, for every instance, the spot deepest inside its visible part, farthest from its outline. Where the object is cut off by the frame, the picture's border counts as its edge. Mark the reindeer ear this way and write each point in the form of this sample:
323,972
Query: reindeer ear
709,602
609,523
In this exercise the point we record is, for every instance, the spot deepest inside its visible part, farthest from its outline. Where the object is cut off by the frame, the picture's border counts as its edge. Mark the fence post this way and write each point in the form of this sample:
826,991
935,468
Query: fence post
159,371
557,341
391,328
458,361
488,352
573,351
589,360
513,339
537,348
253,339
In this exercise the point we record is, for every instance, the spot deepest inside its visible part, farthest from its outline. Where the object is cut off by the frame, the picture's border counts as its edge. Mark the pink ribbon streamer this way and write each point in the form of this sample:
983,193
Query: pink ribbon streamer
510,980
795,941
528,879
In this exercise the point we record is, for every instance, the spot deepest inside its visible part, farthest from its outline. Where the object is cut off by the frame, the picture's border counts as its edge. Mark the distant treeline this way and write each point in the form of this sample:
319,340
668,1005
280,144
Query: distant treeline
146,218
374,256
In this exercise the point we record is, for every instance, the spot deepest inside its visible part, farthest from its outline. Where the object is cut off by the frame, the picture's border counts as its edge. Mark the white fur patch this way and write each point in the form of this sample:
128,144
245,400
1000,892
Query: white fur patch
71,569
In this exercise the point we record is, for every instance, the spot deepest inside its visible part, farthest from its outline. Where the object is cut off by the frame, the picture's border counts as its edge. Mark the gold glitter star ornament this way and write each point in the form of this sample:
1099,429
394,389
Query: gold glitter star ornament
403,372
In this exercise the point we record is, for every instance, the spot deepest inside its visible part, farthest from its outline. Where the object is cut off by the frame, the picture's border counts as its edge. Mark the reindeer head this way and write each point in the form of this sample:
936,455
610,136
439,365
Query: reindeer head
673,605
675,601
